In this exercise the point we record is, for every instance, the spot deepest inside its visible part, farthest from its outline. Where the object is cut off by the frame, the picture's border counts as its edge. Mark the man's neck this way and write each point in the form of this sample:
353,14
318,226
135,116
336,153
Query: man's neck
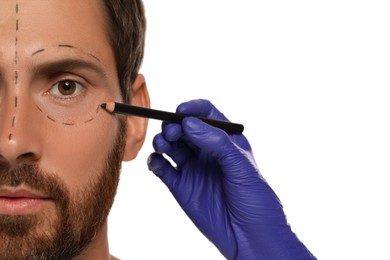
98,249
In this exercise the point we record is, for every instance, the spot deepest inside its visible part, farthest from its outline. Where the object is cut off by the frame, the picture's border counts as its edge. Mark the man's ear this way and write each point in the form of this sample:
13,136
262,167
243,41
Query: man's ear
136,126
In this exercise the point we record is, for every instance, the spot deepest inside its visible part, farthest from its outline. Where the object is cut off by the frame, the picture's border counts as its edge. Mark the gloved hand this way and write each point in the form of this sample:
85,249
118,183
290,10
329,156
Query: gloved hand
218,185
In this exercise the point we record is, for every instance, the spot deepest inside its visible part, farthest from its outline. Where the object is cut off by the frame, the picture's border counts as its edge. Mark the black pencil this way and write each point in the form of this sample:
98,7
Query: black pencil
126,109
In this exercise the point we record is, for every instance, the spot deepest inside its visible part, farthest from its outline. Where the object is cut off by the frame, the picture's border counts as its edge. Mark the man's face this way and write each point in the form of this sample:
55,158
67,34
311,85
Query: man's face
60,153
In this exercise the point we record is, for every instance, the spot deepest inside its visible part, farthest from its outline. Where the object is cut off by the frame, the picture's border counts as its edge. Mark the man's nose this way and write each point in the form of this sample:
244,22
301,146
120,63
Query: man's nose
19,126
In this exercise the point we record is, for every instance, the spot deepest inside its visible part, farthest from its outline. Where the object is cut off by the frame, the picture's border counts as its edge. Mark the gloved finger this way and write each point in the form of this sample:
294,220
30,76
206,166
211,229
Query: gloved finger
221,146
178,151
163,169
200,107
160,144
205,108
171,131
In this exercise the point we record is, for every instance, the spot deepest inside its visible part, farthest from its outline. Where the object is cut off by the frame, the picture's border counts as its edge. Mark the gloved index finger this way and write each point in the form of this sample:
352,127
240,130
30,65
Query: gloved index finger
202,108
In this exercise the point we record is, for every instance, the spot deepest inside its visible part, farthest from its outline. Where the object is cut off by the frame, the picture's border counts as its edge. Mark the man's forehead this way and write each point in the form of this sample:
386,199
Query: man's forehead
53,21
36,28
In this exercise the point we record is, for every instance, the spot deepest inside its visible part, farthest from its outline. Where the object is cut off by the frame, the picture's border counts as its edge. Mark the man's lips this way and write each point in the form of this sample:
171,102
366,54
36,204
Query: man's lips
21,201
24,193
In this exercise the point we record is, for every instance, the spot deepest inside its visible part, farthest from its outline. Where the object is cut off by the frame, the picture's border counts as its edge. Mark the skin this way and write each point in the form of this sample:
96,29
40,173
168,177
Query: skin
63,29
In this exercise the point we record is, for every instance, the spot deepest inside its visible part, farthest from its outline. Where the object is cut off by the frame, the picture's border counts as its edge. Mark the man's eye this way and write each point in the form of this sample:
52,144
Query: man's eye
66,88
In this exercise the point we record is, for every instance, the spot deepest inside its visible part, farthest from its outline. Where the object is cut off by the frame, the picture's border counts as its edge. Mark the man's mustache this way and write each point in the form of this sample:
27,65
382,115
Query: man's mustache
30,175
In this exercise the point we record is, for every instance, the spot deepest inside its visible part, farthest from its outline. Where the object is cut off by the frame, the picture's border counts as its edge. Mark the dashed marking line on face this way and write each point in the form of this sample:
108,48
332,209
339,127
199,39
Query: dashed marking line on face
51,119
65,46
69,124
89,120
16,74
16,77
73,47
16,51
39,108
93,56
38,51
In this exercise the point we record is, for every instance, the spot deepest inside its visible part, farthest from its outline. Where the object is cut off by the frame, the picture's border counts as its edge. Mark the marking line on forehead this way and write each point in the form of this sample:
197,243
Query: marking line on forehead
70,124
69,47
16,51
93,56
16,77
38,51
66,46
72,47
16,64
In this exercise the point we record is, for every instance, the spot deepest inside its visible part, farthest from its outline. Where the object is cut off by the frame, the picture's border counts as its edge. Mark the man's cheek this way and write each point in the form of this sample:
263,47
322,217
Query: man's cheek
76,156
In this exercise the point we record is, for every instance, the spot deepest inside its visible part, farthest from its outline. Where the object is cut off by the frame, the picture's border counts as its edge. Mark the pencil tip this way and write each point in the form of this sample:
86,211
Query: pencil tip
109,106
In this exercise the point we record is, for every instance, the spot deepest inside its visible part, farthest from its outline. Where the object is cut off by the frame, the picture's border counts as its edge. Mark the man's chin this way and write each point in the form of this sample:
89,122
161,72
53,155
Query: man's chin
32,220
27,236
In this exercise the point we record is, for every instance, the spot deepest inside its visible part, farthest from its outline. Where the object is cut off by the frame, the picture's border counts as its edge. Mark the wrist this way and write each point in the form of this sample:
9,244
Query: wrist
269,243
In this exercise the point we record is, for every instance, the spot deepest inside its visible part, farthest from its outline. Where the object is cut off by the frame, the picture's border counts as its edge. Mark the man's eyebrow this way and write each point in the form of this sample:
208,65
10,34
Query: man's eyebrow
68,64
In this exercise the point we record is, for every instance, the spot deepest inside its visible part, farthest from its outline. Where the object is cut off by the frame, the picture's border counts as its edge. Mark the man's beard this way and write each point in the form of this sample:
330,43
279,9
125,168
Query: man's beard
78,217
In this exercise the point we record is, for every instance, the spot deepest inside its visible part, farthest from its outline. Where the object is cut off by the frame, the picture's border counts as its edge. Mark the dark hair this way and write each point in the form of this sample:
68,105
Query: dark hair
126,30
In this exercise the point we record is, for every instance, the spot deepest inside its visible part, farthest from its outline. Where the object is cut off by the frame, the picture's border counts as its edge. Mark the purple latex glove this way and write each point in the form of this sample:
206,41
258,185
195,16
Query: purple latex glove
218,185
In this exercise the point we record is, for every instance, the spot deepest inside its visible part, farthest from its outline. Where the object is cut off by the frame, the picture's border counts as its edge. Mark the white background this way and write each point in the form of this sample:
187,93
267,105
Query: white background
310,81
